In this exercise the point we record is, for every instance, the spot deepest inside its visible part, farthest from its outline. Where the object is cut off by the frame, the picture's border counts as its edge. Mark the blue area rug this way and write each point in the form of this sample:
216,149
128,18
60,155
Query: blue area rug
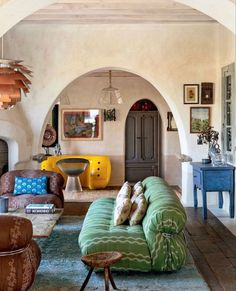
62,270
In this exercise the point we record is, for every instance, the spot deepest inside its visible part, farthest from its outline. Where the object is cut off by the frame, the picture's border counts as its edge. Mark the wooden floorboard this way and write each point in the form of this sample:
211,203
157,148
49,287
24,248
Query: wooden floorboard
213,248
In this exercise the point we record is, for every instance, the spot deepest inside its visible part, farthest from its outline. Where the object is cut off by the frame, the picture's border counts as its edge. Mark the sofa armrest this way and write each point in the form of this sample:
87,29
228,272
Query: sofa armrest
163,225
15,232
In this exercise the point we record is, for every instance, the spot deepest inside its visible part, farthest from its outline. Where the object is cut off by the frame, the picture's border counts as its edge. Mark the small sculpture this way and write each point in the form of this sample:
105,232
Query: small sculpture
210,136
57,150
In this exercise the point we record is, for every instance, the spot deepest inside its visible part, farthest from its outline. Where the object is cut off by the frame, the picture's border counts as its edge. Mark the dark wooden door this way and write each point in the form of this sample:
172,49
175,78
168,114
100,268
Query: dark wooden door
142,150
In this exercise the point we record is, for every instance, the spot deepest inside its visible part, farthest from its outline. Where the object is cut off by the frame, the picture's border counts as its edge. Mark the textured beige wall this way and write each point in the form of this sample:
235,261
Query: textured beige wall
167,56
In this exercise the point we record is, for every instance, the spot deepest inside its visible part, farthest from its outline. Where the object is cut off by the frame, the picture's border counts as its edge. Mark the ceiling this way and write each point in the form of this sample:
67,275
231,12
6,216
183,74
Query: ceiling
117,12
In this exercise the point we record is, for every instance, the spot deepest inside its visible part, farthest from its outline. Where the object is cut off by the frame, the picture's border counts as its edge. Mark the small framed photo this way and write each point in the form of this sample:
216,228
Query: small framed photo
207,93
81,124
171,122
191,93
199,119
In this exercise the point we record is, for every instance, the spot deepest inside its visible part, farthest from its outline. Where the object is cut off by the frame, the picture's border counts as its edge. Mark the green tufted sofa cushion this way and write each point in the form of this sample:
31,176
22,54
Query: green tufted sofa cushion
99,234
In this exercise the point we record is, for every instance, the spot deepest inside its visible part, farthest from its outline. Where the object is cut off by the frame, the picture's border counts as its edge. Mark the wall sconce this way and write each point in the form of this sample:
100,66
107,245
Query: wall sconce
109,114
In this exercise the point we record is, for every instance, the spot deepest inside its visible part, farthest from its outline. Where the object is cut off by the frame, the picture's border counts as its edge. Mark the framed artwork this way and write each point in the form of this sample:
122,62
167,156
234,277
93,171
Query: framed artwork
81,124
207,93
171,122
199,118
191,93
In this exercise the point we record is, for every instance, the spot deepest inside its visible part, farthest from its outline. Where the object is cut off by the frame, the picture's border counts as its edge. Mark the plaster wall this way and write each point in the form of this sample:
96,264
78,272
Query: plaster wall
85,92
166,55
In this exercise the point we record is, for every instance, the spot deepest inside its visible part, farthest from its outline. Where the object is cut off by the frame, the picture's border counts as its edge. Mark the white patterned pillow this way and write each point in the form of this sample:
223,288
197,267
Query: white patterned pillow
138,210
122,210
124,192
137,190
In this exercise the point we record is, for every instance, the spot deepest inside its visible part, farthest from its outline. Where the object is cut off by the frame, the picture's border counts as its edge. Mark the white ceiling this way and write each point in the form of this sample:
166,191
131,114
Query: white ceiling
117,12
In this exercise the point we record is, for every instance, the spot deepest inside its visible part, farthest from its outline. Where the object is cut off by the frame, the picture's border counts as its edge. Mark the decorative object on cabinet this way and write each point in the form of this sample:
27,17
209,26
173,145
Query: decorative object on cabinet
109,114
210,136
207,93
171,122
81,124
73,167
110,95
199,119
191,93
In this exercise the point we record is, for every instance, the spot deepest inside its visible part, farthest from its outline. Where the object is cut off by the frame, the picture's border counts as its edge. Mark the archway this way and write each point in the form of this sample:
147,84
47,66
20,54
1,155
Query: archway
83,92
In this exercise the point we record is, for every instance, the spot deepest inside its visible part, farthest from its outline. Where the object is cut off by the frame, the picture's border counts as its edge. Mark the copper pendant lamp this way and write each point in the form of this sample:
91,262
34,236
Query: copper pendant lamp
14,78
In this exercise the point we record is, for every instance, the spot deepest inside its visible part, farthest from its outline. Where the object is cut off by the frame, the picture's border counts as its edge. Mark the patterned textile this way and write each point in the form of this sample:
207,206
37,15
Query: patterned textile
122,210
138,209
124,192
30,185
163,225
137,190
123,204
99,234
19,254
157,244
55,184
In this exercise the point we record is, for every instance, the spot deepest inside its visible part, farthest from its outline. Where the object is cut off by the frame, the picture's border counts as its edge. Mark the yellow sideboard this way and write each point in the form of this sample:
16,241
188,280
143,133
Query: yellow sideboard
96,176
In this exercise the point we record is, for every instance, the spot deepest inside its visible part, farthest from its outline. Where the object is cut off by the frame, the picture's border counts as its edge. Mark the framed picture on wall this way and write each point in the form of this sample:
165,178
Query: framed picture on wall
171,122
191,93
81,124
199,118
207,93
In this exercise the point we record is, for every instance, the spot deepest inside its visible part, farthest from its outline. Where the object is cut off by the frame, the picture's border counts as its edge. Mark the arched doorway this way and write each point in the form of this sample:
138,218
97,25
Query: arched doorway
3,157
142,141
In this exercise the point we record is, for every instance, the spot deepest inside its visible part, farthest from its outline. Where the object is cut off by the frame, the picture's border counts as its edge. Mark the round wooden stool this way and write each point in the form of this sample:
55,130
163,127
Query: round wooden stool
101,260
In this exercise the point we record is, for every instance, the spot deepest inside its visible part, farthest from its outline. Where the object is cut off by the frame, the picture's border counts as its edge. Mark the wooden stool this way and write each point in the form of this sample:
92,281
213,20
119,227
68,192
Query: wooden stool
101,260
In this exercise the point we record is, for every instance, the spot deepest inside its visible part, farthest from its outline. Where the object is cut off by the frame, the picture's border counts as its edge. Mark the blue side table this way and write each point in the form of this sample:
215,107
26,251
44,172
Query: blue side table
209,178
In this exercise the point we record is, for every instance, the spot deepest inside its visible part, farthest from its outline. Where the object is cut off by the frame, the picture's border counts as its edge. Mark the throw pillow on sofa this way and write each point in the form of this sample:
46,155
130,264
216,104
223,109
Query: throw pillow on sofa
122,210
123,204
124,192
138,210
137,190
30,185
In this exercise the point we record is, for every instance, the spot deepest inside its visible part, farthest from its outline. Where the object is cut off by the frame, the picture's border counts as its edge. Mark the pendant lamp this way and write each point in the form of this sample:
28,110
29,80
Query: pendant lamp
14,78
110,95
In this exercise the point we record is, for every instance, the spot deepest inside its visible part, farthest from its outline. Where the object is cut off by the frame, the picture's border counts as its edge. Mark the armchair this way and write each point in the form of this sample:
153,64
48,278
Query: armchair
54,188
19,255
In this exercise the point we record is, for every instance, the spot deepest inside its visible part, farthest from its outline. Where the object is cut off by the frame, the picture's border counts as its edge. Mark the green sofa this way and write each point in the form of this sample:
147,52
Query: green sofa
156,244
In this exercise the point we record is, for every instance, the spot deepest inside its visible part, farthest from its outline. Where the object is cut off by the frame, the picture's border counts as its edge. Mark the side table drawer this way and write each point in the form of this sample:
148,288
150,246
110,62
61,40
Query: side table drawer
218,180
197,177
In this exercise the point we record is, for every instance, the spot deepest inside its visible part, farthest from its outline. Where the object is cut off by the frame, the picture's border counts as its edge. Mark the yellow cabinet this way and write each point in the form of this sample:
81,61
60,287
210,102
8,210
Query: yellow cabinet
96,176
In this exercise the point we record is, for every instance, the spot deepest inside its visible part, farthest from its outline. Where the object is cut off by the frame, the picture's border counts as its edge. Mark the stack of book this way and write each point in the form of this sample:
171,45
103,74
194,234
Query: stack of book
40,208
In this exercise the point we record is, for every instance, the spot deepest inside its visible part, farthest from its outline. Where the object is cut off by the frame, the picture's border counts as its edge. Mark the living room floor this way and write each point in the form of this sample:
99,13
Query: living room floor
213,248
211,242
